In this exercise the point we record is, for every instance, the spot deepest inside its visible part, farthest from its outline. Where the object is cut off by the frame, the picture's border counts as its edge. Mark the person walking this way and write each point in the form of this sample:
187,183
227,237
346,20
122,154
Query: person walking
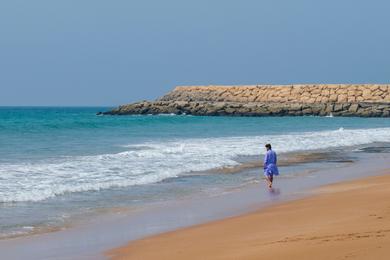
270,165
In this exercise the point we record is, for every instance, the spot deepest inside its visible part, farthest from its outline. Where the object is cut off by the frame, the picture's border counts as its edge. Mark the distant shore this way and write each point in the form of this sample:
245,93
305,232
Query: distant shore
363,100
345,220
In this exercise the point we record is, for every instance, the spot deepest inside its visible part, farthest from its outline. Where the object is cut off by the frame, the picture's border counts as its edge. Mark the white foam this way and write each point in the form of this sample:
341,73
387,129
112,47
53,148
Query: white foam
330,115
152,162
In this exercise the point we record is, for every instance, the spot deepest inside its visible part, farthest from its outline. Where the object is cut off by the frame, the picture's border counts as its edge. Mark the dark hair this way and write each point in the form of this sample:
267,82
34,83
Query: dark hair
268,146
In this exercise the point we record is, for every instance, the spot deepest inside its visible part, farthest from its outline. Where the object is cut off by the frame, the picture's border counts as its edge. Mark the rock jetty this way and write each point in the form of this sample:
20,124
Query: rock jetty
367,100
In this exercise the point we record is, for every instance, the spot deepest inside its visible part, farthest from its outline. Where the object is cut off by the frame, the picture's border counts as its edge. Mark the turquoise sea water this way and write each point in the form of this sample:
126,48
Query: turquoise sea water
59,162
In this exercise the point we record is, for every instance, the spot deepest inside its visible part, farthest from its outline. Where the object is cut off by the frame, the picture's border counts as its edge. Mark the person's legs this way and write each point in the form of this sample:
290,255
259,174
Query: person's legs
269,179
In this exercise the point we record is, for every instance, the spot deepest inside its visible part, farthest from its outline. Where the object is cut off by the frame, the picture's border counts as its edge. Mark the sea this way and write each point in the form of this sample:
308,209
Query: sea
60,165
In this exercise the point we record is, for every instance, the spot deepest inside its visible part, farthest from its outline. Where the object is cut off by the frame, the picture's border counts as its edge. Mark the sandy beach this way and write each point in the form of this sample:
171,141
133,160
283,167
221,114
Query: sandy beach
348,220
149,130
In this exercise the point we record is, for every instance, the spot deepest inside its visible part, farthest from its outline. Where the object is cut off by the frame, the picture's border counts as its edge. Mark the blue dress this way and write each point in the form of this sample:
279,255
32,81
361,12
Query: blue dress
270,167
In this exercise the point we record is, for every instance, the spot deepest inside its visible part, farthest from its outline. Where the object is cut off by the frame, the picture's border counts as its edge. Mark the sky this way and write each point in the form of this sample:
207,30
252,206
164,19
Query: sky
107,53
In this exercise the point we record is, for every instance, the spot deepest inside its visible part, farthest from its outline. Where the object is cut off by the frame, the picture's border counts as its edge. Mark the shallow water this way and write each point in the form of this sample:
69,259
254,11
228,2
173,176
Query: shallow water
62,164
89,240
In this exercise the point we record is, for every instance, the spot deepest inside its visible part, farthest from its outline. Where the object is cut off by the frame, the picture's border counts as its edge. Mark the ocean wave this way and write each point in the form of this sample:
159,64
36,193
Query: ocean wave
154,161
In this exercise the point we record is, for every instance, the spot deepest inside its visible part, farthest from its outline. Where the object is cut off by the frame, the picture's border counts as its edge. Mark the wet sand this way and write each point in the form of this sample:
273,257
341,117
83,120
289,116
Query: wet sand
288,159
92,239
349,220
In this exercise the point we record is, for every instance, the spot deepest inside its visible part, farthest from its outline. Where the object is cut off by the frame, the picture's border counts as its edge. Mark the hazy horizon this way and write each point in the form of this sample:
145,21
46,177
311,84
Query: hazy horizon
98,53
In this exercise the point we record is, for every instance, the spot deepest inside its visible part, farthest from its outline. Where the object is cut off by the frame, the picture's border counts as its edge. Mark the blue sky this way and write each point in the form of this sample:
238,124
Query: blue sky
93,52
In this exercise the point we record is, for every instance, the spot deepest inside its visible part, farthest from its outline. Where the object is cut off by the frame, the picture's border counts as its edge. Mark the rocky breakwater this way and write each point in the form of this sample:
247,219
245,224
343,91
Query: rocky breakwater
366,100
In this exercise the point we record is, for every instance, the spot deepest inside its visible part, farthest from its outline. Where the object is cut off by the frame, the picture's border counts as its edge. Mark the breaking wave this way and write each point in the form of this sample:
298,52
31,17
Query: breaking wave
152,162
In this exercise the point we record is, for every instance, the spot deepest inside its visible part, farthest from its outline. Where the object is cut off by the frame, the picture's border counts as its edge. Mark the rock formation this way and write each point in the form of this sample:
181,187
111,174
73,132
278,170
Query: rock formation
367,100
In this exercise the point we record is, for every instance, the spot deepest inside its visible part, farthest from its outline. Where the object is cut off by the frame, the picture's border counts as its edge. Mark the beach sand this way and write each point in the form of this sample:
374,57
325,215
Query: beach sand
349,220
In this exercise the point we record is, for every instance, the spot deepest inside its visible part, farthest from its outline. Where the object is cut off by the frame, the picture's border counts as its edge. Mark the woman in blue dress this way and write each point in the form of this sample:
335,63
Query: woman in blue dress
270,167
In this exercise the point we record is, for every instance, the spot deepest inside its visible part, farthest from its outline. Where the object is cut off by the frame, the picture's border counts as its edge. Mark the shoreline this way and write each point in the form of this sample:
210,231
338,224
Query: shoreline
342,220
90,240
289,160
